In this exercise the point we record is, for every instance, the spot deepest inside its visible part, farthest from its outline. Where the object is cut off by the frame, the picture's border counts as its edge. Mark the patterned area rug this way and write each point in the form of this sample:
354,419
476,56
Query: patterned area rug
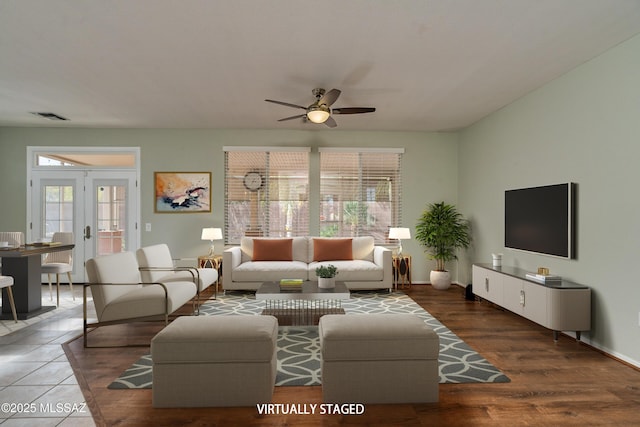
299,347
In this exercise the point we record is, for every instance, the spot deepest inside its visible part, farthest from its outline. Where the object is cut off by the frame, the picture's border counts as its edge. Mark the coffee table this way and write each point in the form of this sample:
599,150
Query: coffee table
303,305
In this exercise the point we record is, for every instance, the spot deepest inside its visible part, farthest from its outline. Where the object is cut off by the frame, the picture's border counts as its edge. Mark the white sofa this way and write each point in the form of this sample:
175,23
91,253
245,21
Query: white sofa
370,267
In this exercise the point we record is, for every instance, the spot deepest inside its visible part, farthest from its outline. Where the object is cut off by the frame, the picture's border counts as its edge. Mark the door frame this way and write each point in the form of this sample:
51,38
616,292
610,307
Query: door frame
34,151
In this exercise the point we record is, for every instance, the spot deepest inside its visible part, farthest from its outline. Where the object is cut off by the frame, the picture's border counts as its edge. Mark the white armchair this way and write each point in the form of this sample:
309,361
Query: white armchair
119,296
156,265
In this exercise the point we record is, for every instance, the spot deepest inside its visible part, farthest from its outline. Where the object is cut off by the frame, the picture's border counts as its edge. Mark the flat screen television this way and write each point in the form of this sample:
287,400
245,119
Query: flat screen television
541,219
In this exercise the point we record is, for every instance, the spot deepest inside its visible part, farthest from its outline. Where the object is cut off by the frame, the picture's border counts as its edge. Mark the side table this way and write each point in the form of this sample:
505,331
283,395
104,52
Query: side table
401,270
213,261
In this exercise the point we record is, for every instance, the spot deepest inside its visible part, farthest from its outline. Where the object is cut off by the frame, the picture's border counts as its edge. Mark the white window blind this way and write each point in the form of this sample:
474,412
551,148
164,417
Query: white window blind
280,207
360,192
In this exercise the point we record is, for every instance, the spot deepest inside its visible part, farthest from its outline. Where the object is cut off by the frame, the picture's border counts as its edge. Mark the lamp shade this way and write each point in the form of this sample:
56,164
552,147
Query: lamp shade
399,233
211,234
318,114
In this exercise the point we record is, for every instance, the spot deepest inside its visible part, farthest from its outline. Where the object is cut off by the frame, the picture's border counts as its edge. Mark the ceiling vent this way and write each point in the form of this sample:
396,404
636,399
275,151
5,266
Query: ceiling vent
50,116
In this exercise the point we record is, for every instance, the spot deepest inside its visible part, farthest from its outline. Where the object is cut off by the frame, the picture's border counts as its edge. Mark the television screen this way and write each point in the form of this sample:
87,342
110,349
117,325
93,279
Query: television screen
541,219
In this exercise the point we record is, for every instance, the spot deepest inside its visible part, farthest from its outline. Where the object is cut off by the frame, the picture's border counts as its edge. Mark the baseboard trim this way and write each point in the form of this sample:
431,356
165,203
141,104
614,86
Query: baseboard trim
422,282
634,364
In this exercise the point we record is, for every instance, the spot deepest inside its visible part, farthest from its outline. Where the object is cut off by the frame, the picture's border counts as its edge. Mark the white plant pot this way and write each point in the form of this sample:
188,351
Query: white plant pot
440,280
326,282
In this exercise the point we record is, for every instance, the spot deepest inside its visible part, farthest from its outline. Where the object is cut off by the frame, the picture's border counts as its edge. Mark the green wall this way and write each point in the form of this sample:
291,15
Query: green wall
583,127
429,163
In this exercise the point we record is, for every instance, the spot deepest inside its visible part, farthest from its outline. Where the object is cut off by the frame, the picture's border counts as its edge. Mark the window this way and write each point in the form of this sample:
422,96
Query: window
266,192
58,209
360,192
77,158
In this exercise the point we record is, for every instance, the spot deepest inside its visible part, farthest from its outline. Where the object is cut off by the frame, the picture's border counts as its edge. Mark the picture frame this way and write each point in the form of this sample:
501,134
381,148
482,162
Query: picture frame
182,192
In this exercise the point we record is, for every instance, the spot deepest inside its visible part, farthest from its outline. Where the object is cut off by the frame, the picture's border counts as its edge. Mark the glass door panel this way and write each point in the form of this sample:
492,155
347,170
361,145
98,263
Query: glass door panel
58,209
111,213
111,203
56,205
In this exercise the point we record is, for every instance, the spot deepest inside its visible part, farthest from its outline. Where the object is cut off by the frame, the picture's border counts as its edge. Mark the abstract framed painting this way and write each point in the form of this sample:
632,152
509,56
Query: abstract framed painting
182,192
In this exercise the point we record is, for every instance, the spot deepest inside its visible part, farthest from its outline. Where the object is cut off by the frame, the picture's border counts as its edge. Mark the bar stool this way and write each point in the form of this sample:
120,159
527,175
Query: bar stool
7,282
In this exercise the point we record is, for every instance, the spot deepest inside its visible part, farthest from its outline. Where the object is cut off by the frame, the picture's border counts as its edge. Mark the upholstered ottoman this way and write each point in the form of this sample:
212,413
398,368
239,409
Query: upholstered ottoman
214,361
378,358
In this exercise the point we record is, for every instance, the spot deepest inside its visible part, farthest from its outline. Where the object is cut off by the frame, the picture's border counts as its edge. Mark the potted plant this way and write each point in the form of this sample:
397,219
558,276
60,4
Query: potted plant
327,276
442,230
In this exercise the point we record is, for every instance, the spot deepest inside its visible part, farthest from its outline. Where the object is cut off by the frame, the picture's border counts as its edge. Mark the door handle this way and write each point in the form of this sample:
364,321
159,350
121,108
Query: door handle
87,232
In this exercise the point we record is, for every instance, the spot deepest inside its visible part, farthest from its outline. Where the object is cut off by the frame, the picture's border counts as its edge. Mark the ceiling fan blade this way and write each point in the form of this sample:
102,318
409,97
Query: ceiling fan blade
292,117
286,104
353,110
330,122
329,97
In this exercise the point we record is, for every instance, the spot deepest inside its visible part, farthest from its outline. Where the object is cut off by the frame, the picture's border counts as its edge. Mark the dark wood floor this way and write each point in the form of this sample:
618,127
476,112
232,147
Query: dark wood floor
562,383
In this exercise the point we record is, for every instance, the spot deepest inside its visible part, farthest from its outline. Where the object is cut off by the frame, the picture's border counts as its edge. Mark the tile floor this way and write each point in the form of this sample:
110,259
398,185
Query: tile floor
37,385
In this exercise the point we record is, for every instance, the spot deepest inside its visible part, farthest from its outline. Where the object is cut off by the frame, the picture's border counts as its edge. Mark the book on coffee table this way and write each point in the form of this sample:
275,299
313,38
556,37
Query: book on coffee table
291,284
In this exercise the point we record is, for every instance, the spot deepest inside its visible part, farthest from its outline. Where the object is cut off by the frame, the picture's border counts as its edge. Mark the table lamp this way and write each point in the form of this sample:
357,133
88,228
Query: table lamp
399,234
211,234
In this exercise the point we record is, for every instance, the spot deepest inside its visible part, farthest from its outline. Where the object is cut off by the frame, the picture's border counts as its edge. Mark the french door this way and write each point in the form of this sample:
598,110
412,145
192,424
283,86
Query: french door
99,206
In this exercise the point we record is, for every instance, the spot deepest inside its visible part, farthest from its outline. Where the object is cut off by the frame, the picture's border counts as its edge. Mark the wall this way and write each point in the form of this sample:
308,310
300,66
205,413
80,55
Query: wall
429,165
583,127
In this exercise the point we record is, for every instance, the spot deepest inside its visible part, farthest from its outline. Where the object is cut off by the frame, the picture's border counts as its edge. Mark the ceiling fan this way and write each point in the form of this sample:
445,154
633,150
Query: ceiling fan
320,111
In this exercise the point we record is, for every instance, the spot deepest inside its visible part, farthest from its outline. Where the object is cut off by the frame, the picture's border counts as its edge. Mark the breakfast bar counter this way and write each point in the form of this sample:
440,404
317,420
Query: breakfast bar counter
24,264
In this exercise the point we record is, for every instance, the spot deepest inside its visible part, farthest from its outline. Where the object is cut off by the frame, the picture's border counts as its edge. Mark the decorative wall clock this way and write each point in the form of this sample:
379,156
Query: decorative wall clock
253,181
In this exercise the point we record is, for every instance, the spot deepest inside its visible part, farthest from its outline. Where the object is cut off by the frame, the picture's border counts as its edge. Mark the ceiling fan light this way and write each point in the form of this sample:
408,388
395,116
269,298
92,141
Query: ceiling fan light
318,114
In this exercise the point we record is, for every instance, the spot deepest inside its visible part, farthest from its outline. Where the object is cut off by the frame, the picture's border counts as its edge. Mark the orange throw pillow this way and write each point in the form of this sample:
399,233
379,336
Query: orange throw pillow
272,250
332,250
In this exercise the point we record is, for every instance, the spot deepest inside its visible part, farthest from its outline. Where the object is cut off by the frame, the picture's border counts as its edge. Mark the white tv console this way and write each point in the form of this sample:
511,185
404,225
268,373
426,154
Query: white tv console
559,306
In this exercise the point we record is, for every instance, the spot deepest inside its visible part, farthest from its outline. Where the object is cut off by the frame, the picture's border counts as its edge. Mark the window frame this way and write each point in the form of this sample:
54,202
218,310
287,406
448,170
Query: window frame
360,204
369,195
280,207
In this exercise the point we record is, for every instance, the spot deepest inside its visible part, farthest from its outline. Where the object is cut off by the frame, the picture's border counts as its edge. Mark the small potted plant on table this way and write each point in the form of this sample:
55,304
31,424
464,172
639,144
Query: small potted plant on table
327,276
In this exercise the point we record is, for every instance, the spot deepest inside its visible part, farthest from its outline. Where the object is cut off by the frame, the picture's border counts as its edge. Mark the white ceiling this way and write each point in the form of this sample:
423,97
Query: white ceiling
424,64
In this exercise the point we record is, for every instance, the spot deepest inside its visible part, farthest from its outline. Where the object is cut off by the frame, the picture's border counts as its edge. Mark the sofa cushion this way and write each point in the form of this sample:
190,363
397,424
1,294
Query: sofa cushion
356,270
159,257
363,248
272,250
332,249
148,300
299,248
269,271
207,276
120,267
156,256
